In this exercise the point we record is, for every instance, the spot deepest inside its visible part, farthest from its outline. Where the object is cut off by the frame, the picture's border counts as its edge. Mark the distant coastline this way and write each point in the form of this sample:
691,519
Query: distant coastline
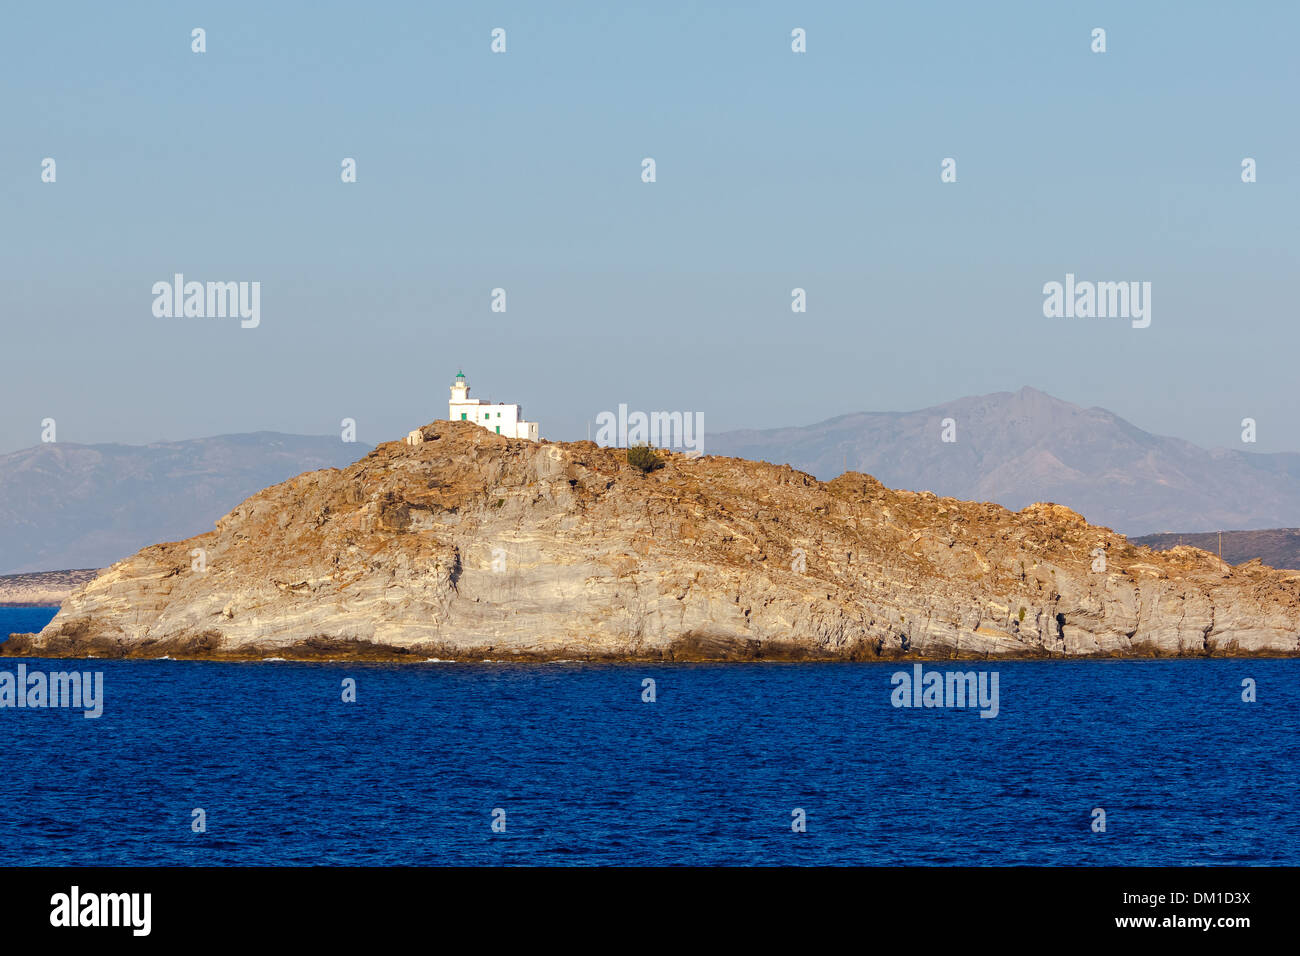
42,588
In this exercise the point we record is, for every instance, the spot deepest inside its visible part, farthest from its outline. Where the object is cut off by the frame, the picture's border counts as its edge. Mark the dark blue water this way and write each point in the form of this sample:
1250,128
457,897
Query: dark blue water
24,620
587,773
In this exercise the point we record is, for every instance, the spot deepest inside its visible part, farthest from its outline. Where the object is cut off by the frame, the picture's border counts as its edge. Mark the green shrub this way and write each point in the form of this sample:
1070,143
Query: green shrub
643,458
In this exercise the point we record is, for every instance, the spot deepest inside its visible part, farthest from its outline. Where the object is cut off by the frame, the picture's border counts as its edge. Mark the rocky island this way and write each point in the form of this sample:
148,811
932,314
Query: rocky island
459,544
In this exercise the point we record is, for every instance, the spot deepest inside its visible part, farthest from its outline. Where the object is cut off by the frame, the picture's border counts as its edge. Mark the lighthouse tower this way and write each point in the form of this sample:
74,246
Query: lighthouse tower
460,391
498,418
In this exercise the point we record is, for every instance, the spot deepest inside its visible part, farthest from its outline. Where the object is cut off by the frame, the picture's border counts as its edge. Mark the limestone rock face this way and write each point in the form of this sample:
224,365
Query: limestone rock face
462,544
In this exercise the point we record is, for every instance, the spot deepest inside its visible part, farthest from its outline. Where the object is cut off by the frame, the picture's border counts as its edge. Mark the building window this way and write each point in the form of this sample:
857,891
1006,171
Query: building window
498,429
464,416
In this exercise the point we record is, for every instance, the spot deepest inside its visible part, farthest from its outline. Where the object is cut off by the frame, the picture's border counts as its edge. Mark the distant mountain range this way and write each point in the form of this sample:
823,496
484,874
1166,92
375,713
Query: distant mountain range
1276,547
1015,448
42,588
80,506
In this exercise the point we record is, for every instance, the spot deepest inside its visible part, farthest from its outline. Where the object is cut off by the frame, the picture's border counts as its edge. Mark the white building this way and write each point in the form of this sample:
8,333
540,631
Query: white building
498,418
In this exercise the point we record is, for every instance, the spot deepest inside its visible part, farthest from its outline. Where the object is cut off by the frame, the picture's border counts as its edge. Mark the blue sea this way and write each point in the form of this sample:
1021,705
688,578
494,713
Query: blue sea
583,771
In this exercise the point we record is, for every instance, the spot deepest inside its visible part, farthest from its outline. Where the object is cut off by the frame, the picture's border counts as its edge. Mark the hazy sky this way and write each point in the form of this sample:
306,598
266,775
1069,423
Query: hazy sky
522,170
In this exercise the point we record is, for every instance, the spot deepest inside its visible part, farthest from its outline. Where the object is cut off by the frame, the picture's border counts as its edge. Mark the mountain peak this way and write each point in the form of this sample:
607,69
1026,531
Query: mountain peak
1020,447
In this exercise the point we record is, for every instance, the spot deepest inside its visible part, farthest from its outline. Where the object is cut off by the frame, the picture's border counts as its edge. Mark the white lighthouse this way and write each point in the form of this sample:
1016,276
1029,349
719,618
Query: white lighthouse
500,419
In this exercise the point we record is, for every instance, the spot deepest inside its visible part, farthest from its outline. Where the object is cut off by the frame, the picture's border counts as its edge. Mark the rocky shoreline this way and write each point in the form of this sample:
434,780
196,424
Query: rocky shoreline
466,546
346,651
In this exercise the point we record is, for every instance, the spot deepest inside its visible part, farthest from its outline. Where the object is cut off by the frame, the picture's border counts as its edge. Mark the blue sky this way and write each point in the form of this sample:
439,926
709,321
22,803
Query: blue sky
522,171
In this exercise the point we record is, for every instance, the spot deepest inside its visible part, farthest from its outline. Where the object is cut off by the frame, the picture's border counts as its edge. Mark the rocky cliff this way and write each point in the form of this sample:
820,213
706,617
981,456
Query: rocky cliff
470,546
